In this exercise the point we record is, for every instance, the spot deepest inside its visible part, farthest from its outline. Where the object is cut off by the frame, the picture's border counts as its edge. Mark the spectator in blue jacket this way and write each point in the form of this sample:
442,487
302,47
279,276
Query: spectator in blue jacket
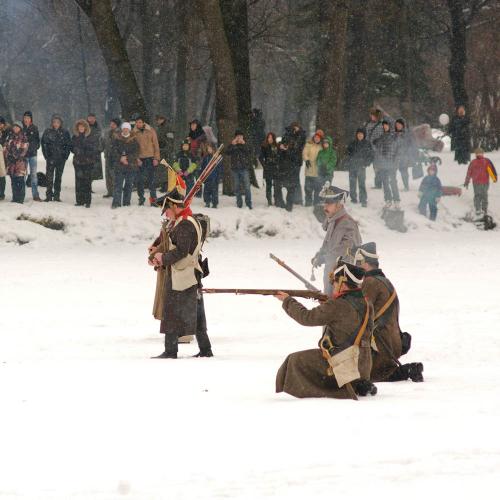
430,192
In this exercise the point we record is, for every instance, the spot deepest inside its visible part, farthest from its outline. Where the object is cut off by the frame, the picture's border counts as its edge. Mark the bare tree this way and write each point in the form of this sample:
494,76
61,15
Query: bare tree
113,49
331,93
225,87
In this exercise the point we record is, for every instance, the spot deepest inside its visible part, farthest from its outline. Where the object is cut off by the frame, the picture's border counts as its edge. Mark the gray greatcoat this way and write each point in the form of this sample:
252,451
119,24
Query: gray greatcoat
342,233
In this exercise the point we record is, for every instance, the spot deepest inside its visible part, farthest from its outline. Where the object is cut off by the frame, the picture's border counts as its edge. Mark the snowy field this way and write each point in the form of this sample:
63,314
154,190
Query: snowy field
86,414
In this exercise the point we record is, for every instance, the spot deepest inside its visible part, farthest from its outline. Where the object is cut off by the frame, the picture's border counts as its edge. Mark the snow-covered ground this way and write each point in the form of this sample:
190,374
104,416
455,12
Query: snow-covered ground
86,414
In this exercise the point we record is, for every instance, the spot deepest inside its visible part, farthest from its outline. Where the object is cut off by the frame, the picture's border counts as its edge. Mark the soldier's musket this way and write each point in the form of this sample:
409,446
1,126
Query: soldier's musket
304,294
308,285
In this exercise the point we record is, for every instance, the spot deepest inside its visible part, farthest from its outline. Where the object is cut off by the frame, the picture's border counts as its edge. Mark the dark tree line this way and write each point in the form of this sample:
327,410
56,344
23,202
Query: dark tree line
321,62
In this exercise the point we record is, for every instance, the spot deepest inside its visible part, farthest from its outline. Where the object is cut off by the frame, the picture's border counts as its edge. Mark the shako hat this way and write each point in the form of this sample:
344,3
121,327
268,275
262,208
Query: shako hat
176,192
332,194
366,253
349,273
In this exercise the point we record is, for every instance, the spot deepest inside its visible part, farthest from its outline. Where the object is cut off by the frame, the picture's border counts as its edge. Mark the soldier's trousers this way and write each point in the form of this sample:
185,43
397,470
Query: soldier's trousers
481,197
172,340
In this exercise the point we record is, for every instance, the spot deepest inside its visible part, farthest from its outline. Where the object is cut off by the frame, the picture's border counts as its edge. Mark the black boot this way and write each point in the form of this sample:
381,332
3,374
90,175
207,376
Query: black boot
364,387
415,371
205,353
166,355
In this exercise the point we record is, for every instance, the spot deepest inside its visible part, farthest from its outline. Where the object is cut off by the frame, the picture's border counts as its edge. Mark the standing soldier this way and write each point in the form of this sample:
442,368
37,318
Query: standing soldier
31,132
342,232
340,367
388,343
56,146
184,311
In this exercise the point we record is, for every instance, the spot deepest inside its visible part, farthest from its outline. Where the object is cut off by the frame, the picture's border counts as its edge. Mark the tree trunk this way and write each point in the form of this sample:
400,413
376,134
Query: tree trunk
208,97
458,49
83,60
147,58
235,17
330,116
225,87
115,54
181,125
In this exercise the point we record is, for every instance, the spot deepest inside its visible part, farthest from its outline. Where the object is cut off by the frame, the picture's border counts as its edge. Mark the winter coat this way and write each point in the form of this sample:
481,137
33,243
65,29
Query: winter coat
378,289
306,373
56,144
342,233
4,134
165,137
374,130
296,142
286,168
479,171
15,150
33,137
406,151
431,187
96,136
359,154
310,156
184,163
107,143
269,158
148,142
215,176
124,147
179,314
241,156
3,171
196,138
327,159
83,146
385,151
459,130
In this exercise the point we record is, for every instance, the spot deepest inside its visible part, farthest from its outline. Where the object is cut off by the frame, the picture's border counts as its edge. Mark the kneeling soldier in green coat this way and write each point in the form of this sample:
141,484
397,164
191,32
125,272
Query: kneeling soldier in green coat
387,345
340,366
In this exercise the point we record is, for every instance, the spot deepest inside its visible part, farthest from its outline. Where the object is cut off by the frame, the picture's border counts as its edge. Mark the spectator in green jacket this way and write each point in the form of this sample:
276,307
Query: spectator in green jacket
326,161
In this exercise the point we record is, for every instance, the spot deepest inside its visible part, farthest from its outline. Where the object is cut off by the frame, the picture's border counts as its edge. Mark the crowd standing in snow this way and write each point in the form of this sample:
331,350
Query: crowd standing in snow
385,143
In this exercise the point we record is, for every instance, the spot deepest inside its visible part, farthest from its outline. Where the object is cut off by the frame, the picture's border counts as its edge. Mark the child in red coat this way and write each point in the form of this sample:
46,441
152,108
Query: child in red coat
480,170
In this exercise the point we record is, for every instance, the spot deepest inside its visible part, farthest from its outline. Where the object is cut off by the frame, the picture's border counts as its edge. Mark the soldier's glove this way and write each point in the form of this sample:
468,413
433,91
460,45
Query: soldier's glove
315,261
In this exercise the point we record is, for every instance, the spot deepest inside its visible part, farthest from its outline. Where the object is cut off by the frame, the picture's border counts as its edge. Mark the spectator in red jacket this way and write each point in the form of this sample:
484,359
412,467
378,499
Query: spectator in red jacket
480,170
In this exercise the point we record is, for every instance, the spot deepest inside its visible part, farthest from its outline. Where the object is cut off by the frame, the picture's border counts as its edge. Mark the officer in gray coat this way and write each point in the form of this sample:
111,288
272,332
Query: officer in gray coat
342,232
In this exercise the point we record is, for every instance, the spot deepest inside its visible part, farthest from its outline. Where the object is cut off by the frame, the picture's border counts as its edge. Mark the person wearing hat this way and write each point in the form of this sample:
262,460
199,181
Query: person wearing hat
241,163
327,160
124,161
406,151
31,132
359,156
56,147
430,192
347,321
342,232
374,130
285,177
15,150
312,186
4,130
385,157
295,137
183,311
387,346
480,171
107,141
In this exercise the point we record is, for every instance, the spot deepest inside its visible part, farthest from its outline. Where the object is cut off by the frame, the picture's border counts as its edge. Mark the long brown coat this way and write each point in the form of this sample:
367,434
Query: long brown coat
304,373
376,291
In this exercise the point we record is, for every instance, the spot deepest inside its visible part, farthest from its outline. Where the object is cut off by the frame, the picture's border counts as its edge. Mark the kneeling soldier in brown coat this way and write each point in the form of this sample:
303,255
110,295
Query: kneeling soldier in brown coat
386,343
184,311
343,359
